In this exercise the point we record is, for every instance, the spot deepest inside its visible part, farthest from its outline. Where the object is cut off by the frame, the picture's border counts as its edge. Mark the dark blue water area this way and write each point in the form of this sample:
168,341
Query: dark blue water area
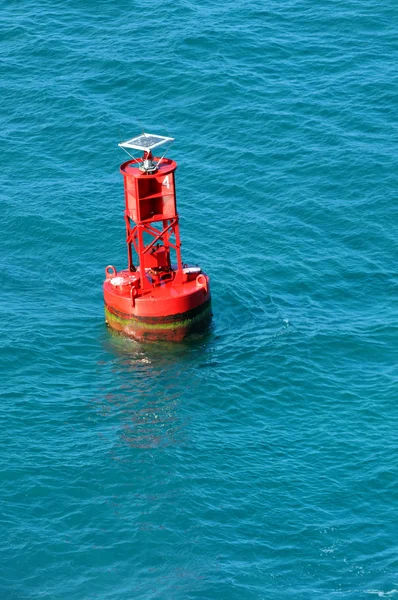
258,461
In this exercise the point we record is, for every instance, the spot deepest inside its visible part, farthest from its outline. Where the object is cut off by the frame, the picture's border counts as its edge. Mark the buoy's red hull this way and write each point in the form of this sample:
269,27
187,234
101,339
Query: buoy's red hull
167,312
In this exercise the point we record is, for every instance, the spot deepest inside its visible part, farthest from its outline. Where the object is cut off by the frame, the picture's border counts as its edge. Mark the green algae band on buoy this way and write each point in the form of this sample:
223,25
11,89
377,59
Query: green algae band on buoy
154,299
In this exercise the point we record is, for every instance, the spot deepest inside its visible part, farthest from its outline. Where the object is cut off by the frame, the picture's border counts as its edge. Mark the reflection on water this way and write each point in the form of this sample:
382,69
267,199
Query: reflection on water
160,352
143,398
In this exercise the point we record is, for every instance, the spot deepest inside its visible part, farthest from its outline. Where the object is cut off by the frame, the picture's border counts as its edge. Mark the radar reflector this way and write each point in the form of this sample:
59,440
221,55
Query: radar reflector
146,142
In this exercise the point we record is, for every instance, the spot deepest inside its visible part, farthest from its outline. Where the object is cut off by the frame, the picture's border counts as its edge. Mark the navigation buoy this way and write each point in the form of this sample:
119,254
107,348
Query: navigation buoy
155,299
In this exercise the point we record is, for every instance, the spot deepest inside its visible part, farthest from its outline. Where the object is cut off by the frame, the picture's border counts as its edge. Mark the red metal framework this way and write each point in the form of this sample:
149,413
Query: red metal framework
152,227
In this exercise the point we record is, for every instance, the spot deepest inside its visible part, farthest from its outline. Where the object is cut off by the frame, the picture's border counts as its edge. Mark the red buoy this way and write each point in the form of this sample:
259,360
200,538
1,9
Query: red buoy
155,299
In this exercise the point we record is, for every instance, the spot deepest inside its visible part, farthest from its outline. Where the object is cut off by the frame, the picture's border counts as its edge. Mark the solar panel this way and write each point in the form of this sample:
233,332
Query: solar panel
146,142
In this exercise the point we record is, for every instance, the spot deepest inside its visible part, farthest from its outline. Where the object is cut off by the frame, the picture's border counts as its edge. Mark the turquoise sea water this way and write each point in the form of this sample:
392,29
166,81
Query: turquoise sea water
260,461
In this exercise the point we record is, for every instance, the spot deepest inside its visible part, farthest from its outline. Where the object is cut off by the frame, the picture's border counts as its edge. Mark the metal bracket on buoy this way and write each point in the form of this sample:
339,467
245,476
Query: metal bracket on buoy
133,295
201,282
110,272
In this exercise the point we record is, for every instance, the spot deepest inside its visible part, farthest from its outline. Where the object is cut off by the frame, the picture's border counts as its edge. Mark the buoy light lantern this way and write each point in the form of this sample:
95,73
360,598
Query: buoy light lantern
154,298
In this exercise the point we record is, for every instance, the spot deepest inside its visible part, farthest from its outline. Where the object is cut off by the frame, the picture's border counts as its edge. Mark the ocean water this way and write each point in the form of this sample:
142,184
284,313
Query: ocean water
257,462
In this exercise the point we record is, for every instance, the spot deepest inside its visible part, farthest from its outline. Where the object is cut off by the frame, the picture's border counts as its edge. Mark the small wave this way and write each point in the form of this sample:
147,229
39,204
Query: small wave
381,594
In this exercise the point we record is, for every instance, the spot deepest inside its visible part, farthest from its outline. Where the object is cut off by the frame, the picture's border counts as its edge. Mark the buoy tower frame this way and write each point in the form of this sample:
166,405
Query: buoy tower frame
154,299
